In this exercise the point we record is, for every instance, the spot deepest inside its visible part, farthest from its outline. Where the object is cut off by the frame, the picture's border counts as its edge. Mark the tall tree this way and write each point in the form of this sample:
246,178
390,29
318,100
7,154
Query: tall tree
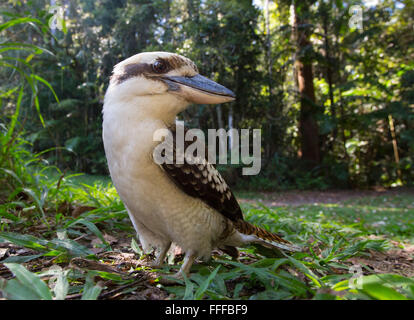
308,127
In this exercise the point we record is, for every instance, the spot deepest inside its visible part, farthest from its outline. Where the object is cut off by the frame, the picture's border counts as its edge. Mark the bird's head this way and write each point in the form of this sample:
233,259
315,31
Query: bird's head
167,81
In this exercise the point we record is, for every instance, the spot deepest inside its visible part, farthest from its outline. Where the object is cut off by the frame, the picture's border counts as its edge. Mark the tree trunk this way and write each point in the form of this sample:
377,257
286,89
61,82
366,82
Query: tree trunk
268,49
308,128
329,77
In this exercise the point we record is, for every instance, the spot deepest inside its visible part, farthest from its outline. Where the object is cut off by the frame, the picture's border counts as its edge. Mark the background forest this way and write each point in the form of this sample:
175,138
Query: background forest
350,124
331,85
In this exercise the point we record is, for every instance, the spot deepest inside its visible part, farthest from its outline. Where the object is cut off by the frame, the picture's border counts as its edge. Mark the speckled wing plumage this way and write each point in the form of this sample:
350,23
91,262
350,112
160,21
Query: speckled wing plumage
200,179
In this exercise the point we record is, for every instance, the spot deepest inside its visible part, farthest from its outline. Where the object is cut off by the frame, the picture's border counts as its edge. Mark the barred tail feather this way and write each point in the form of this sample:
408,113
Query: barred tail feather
264,237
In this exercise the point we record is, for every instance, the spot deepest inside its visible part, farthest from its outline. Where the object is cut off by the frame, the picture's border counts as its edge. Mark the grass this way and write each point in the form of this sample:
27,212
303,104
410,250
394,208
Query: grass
78,243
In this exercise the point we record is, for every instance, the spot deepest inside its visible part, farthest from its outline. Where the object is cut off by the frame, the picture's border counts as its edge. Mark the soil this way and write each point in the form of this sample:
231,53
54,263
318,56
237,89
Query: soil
298,198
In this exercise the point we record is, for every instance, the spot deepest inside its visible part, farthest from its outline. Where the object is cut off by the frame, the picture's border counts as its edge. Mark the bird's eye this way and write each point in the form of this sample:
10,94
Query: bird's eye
159,66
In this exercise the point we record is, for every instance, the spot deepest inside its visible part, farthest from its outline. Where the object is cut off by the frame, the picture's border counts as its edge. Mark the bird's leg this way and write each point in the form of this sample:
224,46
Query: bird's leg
185,269
161,255
188,262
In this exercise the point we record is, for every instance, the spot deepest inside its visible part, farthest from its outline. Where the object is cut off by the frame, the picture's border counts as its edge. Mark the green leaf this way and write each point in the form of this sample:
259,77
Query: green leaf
106,275
38,202
72,247
14,290
219,284
237,289
90,290
28,241
5,46
14,22
7,215
380,286
381,292
15,114
203,287
14,175
24,240
92,227
306,271
135,247
271,295
324,296
22,259
189,289
46,83
27,285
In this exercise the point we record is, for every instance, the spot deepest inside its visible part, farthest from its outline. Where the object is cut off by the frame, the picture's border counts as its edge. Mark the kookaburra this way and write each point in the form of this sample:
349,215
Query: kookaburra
186,204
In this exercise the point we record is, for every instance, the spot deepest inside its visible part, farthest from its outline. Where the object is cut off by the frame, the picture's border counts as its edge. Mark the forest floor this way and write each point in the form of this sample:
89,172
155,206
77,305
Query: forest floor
305,197
87,250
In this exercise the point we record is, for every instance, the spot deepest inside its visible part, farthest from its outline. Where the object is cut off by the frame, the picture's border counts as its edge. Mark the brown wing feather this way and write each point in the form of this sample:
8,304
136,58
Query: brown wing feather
202,180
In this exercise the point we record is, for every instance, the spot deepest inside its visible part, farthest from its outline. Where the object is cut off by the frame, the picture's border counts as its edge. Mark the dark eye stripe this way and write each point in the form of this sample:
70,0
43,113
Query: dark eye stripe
137,69
132,70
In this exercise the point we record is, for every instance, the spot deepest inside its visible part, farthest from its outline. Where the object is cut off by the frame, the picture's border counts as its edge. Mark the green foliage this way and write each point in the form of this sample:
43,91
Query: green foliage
361,79
284,173
90,290
329,234
336,238
363,112
382,287
26,286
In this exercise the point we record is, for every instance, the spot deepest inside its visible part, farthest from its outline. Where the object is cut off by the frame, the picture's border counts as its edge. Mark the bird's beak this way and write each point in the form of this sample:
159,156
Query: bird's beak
199,89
